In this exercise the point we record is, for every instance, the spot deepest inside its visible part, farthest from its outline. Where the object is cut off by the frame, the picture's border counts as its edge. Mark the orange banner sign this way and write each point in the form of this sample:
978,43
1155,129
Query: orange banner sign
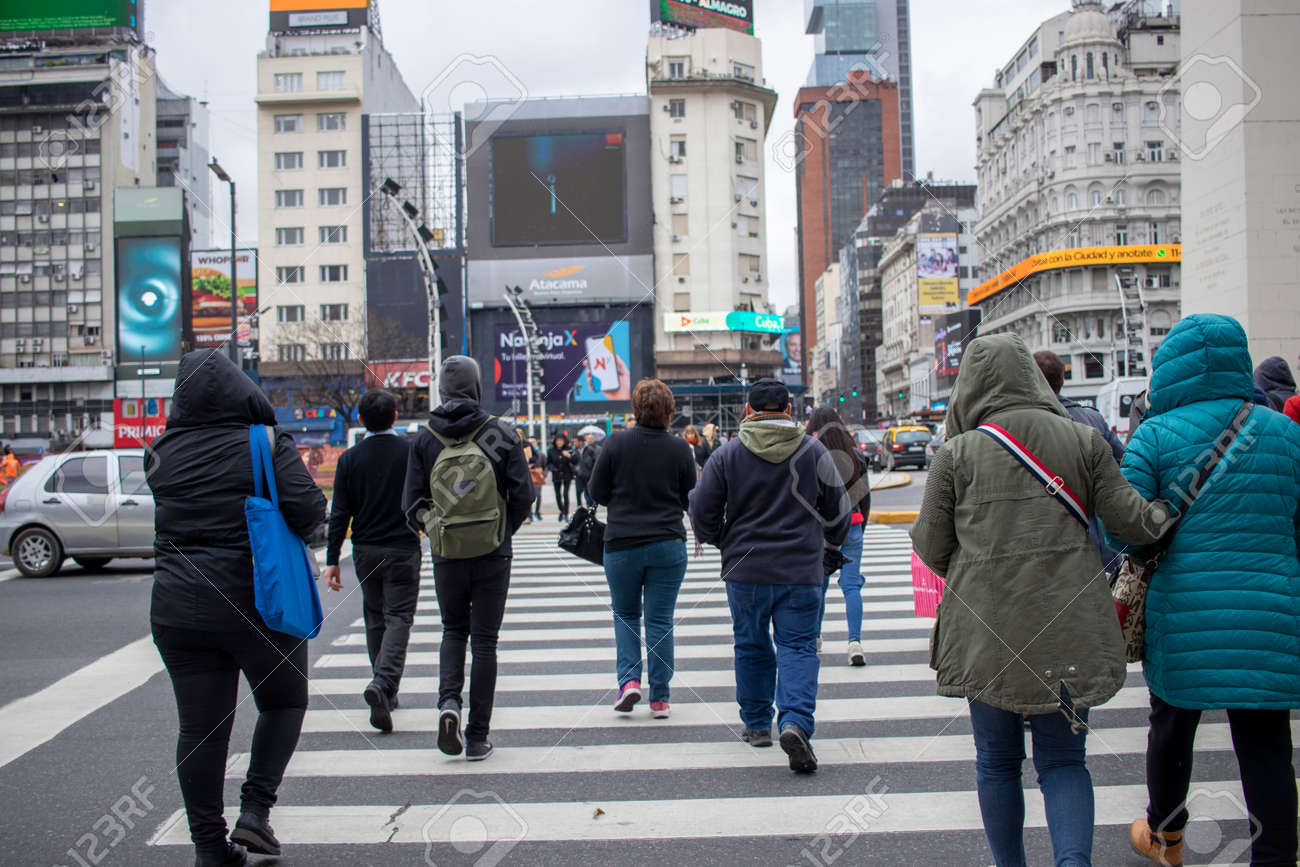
1074,258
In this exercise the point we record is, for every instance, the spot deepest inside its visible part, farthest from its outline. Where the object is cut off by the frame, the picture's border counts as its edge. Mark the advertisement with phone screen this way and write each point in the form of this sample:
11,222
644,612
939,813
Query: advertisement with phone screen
585,362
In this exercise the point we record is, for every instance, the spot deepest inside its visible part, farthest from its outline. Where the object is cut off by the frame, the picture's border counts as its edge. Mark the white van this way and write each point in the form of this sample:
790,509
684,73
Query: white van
1116,399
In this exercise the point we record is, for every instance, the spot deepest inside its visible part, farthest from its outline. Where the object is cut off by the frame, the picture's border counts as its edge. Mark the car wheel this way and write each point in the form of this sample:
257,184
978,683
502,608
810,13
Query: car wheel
37,552
91,564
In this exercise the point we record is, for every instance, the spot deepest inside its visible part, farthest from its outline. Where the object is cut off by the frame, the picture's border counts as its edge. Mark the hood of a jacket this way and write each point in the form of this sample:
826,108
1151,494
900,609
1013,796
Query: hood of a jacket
1204,357
997,374
460,378
773,441
1274,376
457,417
210,389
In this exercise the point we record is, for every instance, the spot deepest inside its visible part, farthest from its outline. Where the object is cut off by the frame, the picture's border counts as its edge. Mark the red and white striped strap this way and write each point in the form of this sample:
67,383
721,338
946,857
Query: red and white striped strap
1054,484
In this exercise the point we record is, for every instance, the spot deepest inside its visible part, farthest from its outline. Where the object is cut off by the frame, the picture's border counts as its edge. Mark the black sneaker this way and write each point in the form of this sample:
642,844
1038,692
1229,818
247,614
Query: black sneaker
450,740
757,737
255,834
380,717
230,856
797,746
477,751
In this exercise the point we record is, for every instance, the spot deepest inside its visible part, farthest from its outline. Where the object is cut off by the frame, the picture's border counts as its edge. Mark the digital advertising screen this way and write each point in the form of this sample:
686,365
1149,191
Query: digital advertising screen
149,303
582,362
210,296
732,14
559,189
21,16
952,332
936,271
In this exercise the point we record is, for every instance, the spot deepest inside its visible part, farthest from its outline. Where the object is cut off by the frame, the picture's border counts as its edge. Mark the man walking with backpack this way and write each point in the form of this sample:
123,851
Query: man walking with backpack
385,552
772,501
468,489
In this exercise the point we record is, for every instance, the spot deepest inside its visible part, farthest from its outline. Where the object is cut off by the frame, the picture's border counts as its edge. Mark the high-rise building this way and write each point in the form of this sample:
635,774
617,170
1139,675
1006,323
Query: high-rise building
874,35
845,150
182,143
76,121
1078,163
319,74
710,110
826,353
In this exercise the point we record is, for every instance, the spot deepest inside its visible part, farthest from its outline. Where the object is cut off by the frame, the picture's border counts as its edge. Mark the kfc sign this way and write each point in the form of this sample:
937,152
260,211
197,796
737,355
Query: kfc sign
394,375
137,423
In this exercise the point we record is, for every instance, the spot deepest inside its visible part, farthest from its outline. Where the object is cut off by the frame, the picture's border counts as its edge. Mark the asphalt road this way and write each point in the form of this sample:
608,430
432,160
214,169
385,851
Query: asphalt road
571,784
906,498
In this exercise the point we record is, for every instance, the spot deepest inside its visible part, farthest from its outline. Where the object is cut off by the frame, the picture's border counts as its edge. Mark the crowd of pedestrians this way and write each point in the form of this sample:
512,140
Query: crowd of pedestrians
1028,505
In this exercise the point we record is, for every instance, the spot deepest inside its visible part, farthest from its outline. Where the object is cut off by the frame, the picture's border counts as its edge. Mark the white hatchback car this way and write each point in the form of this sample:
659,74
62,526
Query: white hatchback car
91,506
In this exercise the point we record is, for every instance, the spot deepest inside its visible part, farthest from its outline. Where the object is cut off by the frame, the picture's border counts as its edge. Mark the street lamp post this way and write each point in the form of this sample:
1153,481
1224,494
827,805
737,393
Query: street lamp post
234,284
528,328
528,357
422,236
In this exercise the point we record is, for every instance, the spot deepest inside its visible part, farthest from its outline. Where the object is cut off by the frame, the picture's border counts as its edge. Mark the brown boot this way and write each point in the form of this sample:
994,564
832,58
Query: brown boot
1165,849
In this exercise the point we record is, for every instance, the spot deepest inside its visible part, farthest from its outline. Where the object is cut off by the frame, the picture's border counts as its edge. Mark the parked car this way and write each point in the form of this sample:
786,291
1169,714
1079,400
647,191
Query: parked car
1116,399
91,506
869,443
906,446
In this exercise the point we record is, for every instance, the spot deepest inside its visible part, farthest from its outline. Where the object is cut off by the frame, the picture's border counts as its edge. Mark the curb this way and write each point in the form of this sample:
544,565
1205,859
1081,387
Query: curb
894,517
906,480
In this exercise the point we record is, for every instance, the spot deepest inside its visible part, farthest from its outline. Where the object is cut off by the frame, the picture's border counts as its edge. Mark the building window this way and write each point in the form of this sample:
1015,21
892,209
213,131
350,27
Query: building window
747,189
1094,366
288,198
334,351
1160,40
1155,196
677,67
745,110
750,266
287,160
743,71
1117,152
746,149
333,234
288,123
331,159
1088,66
677,187
288,82
331,121
1071,156
1074,67
1094,153
289,313
1121,234
1155,233
1060,334
1151,113
677,108
291,352
291,274
1096,198
290,237
333,273
332,196
681,225
682,264
334,313
677,146
1072,202
331,80
1072,239
1155,151
1121,196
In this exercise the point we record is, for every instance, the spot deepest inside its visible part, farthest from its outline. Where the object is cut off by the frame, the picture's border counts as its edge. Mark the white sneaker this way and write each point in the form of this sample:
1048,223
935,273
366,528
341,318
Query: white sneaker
857,656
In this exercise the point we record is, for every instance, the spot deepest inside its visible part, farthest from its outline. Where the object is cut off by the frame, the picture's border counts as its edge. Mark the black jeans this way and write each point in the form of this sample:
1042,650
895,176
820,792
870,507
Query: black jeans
561,495
472,599
390,587
1262,742
204,668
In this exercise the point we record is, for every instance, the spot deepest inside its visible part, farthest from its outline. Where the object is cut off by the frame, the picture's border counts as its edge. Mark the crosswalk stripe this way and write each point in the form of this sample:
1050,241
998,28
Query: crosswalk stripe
893,812
516,601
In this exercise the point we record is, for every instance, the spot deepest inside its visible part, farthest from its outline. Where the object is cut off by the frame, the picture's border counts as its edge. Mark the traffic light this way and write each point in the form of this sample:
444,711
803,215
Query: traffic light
854,392
841,398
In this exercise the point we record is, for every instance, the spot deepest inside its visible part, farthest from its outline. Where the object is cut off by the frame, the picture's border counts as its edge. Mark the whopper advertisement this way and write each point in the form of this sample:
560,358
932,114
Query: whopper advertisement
210,296
936,271
585,362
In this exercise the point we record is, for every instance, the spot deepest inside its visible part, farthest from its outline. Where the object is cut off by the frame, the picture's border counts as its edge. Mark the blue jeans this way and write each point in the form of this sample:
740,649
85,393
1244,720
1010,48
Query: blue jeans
850,582
1059,758
653,572
788,614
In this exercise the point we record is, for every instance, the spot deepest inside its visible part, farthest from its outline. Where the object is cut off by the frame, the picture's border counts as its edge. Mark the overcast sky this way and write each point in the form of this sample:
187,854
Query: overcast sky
573,47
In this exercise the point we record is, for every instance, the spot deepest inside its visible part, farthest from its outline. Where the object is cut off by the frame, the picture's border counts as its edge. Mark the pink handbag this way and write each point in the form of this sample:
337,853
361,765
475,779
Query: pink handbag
927,588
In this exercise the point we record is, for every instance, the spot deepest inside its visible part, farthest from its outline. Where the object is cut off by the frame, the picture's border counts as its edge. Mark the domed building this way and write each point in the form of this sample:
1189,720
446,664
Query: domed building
1079,224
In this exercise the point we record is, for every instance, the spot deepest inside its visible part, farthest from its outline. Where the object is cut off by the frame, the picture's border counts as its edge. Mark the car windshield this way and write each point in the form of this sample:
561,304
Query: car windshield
868,436
913,436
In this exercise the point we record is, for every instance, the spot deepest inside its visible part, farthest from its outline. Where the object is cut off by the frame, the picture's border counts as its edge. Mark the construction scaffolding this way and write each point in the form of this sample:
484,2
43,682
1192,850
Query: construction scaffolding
421,153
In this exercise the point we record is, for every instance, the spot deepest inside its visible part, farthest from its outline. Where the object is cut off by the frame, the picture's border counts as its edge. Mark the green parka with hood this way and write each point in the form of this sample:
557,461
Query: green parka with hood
1027,613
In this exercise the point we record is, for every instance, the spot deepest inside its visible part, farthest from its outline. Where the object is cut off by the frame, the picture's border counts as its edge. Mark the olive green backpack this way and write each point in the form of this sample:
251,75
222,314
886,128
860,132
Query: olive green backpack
467,514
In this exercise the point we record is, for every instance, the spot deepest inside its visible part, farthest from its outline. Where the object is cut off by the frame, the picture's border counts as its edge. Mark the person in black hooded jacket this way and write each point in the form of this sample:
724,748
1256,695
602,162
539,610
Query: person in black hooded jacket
471,592
1274,378
203,616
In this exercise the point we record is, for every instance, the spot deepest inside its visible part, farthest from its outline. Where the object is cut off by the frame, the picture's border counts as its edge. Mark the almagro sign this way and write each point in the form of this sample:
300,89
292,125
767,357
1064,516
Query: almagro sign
763,323
1077,257
732,14
577,280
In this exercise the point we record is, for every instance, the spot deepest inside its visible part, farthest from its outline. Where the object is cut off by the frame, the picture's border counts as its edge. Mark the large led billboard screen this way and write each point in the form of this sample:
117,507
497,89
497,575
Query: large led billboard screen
149,303
26,16
732,14
582,362
558,189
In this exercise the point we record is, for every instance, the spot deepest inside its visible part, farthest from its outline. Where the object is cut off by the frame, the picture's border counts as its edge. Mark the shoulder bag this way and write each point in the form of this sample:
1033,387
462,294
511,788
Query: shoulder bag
585,536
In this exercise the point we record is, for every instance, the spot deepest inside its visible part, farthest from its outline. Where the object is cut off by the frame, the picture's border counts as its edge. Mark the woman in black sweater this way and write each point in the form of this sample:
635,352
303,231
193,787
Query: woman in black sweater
559,463
644,476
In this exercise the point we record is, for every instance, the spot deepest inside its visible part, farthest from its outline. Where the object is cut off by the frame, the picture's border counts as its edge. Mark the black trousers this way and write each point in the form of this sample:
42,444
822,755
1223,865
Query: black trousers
1262,742
390,588
561,495
204,668
472,600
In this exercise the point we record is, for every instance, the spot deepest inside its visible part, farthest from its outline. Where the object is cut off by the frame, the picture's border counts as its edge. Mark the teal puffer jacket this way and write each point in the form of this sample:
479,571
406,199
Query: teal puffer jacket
1223,611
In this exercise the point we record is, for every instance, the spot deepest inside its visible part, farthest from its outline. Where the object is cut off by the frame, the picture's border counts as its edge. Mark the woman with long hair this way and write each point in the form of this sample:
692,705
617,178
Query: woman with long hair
827,426
559,463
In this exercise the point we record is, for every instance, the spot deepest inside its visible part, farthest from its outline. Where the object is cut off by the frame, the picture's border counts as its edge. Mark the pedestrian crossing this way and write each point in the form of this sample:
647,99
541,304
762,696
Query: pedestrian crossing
896,760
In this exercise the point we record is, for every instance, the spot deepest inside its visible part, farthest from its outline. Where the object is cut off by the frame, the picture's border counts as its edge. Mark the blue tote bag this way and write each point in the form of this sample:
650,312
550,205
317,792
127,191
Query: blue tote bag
284,574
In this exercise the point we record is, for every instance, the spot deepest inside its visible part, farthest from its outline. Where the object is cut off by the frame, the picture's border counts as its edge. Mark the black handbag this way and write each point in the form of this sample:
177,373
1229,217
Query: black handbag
585,536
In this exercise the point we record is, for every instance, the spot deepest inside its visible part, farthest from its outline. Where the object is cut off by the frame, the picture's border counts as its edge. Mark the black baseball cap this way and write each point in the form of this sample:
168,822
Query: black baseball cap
768,395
